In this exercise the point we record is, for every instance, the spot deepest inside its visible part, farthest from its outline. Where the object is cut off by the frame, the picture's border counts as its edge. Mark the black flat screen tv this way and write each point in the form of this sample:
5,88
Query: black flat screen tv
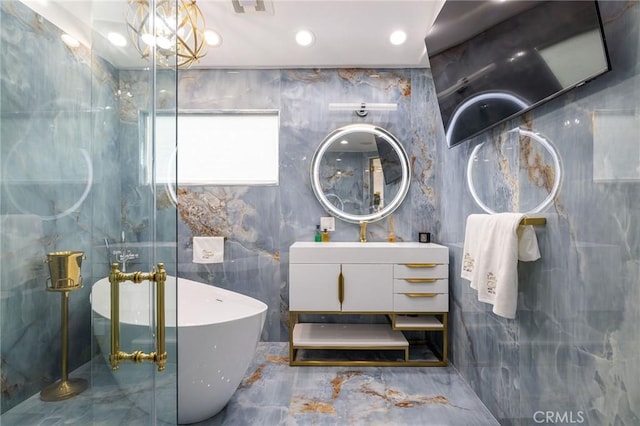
491,61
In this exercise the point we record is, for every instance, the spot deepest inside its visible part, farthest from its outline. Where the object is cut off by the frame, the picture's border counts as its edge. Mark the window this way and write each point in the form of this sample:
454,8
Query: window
237,147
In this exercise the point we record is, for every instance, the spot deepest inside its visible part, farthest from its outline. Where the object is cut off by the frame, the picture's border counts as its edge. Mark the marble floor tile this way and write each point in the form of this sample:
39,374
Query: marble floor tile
273,393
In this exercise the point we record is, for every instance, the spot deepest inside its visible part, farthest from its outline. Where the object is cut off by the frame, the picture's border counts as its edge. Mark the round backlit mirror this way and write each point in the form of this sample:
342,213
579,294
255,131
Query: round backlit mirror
360,173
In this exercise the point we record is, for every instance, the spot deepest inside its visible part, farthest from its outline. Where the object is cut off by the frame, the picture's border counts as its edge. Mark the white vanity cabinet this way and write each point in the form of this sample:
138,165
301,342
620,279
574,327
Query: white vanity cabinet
406,283
316,287
330,287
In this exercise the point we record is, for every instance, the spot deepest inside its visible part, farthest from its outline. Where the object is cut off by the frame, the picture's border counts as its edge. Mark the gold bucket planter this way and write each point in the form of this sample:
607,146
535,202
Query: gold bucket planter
64,271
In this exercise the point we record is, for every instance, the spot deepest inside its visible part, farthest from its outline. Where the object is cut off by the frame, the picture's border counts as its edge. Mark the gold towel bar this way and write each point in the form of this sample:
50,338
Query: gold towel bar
534,221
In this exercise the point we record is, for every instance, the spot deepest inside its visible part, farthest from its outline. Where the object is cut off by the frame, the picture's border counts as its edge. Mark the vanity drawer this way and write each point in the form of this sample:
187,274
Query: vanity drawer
421,285
421,302
421,270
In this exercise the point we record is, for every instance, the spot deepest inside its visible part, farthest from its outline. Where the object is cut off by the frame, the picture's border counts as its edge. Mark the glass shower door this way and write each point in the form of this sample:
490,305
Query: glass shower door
78,173
142,236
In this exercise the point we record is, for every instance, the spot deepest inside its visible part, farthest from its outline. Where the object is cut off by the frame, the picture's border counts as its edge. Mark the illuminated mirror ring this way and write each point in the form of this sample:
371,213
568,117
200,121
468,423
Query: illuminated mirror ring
340,134
75,206
557,174
488,96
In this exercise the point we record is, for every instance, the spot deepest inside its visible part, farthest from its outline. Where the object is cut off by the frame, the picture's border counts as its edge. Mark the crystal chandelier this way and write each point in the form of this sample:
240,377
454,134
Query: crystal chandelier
179,30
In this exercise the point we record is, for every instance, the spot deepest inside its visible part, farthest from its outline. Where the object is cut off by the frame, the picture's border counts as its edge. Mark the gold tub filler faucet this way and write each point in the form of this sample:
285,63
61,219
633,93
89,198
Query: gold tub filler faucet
64,271
116,277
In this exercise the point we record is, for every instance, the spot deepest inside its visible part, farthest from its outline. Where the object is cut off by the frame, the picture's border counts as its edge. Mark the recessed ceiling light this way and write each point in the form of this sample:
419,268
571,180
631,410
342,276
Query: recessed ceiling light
69,40
305,37
213,38
398,37
149,39
117,39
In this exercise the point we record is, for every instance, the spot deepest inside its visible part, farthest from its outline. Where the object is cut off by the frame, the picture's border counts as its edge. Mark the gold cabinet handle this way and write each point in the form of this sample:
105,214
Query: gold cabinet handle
159,277
420,265
341,286
421,294
420,280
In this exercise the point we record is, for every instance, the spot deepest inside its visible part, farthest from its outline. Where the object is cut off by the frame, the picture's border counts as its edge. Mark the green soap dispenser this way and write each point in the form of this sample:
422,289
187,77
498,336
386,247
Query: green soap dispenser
318,236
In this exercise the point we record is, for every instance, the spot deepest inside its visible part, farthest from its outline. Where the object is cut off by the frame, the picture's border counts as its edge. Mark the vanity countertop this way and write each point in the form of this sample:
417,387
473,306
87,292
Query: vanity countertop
369,252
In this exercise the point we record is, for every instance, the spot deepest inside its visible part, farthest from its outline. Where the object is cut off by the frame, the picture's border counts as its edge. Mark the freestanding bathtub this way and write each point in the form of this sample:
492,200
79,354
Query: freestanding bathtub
217,334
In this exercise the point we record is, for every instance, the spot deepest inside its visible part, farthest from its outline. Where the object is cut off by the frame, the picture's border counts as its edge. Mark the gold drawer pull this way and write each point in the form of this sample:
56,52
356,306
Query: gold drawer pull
420,280
421,294
420,265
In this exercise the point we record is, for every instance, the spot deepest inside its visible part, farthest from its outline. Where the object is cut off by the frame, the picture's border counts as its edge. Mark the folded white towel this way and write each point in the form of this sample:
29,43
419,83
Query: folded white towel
490,258
208,249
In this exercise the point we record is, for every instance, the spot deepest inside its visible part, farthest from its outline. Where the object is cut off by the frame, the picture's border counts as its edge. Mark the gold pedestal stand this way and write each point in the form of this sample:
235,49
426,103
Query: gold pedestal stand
65,277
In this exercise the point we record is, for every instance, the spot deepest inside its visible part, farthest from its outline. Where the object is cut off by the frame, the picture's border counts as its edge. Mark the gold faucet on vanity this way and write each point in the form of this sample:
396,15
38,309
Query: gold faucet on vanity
363,231
116,277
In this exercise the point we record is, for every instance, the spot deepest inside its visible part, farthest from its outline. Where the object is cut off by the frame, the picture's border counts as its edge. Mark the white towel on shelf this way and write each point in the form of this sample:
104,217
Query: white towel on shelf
208,249
490,258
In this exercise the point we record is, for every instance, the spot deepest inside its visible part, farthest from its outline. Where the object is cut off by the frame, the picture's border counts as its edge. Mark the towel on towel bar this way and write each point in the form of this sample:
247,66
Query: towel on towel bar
208,249
493,244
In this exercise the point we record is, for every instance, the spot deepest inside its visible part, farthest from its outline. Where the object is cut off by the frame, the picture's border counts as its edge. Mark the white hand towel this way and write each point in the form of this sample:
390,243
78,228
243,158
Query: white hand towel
528,249
490,258
496,270
208,249
472,237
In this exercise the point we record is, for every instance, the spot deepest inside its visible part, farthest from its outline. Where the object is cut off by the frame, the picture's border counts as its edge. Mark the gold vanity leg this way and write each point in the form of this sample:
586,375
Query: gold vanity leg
293,320
445,334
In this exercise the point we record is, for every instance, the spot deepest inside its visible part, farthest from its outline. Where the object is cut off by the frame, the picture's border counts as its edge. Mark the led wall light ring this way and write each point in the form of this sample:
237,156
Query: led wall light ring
489,96
74,208
557,174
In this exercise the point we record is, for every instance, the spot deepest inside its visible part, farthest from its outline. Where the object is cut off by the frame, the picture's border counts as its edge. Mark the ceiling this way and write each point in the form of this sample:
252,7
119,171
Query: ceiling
459,20
348,33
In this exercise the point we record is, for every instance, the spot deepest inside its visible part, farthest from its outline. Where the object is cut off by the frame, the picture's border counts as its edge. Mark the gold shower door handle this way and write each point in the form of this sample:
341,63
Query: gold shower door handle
159,277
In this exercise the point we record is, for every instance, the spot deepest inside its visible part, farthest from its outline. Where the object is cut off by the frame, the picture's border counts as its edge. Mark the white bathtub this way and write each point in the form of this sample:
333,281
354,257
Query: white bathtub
218,331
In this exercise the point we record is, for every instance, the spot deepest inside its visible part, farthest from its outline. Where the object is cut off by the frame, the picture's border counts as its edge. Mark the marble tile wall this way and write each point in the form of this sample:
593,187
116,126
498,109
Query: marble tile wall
573,348
58,133
261,222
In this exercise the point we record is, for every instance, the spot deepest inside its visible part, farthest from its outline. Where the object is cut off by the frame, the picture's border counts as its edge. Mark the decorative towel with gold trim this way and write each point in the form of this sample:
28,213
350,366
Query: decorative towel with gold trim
208,249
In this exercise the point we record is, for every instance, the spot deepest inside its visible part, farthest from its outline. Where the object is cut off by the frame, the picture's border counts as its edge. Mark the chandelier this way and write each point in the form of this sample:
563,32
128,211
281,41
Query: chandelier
179,30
